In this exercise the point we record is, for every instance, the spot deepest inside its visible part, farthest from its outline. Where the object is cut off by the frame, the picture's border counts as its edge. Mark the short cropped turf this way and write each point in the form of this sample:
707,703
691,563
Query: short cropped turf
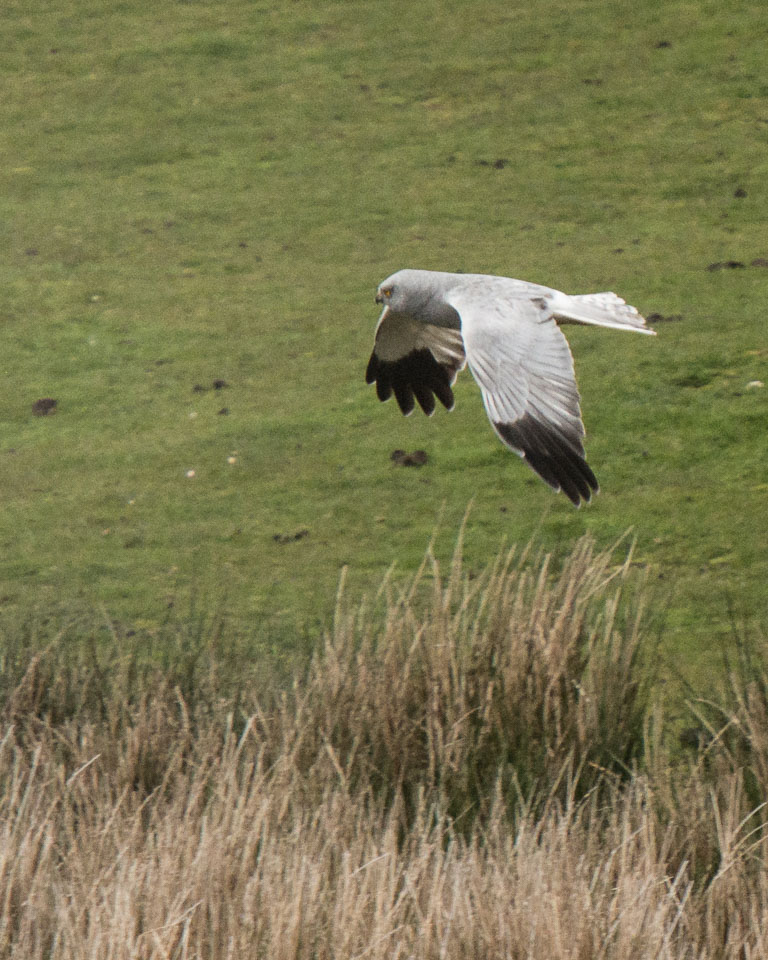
197,201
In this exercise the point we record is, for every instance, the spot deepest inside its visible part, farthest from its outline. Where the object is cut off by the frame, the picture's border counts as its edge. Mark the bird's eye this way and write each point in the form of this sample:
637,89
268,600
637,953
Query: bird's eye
386,292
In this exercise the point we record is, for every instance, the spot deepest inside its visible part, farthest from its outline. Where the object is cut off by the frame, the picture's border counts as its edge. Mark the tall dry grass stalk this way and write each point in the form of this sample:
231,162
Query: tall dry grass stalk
517,675
462,779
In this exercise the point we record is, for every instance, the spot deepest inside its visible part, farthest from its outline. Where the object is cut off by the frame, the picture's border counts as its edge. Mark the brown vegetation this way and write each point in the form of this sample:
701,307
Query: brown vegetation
474,772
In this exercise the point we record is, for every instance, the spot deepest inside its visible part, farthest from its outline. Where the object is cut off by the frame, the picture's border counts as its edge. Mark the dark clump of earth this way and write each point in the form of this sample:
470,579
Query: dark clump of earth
283,538
416,459
497,164
218,384
44,406
726,265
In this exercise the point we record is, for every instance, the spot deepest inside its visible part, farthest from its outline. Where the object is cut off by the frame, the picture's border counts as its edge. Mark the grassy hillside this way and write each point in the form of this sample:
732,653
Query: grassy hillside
211,192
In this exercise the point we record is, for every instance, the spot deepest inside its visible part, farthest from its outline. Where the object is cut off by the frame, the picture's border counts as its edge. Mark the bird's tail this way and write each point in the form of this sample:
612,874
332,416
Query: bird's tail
601,310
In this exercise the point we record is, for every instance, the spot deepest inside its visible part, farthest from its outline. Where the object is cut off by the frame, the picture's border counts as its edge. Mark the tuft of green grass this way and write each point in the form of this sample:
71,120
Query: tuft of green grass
215,195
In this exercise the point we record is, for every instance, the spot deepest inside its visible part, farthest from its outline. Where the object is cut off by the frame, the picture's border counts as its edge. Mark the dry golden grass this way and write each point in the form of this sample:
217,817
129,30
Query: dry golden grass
468,776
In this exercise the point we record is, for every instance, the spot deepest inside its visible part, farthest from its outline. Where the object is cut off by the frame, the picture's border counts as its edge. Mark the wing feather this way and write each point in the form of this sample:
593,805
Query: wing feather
416,361
524,368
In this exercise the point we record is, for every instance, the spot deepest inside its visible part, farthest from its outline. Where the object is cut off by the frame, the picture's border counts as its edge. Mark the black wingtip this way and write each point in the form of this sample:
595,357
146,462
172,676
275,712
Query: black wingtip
557,460
372,370
416,377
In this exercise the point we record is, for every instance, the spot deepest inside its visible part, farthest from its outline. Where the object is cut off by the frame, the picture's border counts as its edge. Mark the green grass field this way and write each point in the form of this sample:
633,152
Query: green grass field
195,192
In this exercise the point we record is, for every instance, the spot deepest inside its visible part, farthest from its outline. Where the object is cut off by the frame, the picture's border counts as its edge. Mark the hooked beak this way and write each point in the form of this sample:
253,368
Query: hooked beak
379,298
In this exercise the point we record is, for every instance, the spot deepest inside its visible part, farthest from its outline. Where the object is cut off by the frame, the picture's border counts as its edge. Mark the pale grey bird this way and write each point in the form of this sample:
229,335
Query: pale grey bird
434,323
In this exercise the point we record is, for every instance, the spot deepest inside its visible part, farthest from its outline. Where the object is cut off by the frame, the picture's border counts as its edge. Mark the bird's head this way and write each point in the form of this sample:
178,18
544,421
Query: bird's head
402,292
419,294
388,291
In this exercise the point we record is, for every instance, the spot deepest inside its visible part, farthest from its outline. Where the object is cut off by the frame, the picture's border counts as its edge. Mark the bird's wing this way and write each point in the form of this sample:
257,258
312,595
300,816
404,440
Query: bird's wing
415,361
523,364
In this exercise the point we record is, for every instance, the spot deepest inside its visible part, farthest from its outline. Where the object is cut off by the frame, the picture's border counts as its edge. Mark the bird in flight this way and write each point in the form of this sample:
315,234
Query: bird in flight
433,324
